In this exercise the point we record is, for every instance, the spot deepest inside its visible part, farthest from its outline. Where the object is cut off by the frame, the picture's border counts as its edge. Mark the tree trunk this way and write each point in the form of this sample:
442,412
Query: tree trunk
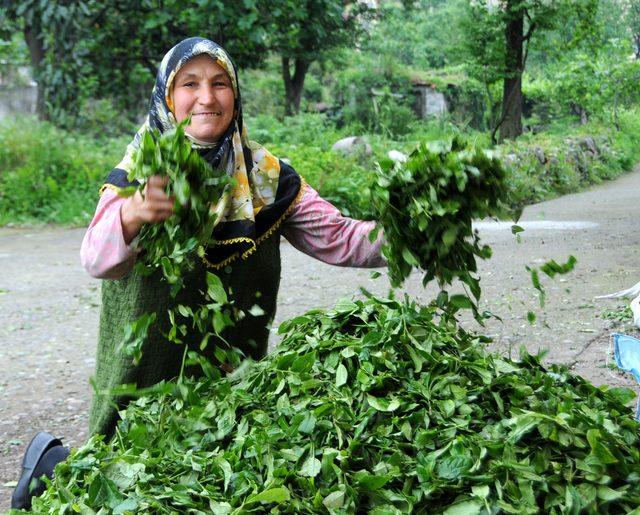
616,120
33,39
293,86
511,126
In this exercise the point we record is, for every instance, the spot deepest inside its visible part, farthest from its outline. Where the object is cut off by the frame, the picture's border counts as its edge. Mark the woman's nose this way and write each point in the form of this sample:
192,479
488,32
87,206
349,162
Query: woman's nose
207,95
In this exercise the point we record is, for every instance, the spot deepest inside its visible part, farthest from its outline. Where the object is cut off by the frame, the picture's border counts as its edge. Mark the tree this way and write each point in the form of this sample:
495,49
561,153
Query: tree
632,8
112,48
500,36
302,32
54,32
26,18
413,35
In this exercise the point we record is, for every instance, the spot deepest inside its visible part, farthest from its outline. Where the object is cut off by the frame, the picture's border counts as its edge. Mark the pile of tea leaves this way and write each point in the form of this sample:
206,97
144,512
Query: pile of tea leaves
376,406
426,207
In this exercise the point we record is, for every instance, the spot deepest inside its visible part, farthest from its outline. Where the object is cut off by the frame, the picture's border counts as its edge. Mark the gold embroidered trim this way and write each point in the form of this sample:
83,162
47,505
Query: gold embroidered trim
128,191
269,232
218,266
109,186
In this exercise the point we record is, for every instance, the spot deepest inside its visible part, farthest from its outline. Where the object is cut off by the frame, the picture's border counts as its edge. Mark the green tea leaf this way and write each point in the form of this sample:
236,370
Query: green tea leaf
383,404
341,375
273,495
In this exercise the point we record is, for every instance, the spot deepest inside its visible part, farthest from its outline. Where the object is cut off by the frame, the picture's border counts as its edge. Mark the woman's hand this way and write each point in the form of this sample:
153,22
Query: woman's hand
155,207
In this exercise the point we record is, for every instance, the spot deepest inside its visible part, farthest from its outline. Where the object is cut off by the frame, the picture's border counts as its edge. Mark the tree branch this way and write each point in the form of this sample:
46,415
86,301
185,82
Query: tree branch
530,32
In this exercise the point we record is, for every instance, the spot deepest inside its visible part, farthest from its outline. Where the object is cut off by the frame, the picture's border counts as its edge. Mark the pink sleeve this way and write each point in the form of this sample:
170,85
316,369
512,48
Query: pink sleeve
104,254
318,229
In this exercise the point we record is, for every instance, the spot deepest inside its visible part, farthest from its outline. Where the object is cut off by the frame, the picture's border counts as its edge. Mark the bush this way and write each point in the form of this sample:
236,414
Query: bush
302,129
537,99
353,93
305,142
342,181
100,118
50,175
566,159
262,92
392,117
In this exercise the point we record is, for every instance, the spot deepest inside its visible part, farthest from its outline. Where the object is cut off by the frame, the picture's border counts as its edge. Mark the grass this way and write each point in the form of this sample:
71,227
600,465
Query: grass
48,175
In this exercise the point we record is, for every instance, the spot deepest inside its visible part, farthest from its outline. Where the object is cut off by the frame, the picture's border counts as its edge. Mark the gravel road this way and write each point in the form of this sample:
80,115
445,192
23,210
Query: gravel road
49,306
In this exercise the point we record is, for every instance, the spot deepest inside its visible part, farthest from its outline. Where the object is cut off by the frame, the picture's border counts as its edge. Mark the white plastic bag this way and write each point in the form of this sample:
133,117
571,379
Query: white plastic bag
634,291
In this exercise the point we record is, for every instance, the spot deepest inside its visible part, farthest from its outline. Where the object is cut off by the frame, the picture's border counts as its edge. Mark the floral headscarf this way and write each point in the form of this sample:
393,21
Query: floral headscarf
265,190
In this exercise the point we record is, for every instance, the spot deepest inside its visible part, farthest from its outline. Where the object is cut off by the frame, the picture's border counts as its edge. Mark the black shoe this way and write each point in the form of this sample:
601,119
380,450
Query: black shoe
42,455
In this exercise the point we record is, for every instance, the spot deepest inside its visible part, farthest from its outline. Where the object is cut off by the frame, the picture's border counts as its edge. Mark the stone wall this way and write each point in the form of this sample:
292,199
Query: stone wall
18,91
429,102
16,101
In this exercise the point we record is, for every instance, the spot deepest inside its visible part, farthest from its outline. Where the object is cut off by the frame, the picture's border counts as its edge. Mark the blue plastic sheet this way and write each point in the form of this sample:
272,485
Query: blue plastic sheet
626,351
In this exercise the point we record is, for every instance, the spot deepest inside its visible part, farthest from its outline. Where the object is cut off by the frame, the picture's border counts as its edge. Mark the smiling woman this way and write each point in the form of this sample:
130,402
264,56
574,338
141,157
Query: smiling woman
202,89
197,81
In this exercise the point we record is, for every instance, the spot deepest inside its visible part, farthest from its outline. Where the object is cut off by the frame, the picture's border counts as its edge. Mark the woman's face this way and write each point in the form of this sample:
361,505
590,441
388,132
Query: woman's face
203,90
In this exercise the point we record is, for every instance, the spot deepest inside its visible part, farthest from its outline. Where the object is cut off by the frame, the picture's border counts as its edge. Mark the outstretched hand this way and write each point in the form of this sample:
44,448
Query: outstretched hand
155,206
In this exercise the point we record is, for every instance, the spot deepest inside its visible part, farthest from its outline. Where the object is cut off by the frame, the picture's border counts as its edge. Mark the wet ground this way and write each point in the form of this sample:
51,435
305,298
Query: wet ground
49,306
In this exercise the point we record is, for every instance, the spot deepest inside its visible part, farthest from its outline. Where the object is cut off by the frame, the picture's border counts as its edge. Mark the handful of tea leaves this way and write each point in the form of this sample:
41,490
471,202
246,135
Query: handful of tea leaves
197,189
174,244
426,207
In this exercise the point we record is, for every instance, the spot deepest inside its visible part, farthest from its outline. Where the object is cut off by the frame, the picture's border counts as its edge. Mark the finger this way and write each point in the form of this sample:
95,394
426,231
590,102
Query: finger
157,206
158,216
161,216
154,193
158,181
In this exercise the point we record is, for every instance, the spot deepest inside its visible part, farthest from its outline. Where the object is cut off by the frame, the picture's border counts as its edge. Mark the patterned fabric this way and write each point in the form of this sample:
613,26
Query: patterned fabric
264,192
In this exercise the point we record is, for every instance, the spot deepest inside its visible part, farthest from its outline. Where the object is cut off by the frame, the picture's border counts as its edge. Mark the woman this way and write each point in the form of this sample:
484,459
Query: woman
197,78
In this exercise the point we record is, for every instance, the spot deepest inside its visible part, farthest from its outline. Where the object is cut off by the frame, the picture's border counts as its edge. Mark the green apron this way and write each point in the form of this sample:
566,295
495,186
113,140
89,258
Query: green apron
250,281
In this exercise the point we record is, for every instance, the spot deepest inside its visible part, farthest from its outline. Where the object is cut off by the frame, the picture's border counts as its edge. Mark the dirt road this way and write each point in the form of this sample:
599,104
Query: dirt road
49,306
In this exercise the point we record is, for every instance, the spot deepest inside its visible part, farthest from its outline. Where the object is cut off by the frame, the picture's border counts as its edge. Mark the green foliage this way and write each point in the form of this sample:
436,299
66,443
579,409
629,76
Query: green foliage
343,181
376,405
538,99
565,159
466,97
500,38
262,92
196,187
307,30
103,120
392,117
13,52
305,142
622,314
585,84
305,129
579,86
413,35
79,40
426,207
375,95
55,34
35,156
51,175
